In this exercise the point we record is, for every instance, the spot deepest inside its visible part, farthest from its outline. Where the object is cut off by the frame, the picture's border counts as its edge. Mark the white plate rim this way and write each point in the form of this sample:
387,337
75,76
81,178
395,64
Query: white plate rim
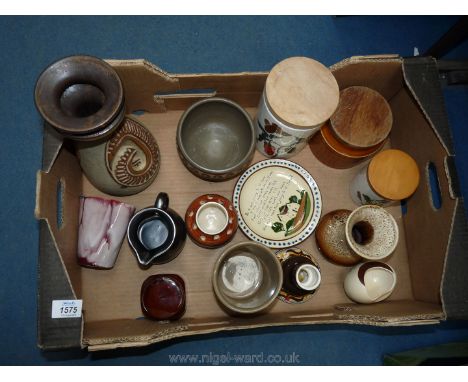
307,177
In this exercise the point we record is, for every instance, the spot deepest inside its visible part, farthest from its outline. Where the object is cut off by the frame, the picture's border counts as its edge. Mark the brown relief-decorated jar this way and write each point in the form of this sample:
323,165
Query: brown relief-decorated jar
125,164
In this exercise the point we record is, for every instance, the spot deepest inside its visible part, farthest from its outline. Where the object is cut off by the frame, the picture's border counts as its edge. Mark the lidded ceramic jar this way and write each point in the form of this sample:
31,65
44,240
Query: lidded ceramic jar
391,176
300,94
357,130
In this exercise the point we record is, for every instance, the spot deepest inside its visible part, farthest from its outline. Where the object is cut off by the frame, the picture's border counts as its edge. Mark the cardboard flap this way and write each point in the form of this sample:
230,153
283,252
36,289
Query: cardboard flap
396,312
150,89
57,207
421,75
455,283
53,284
51,142
385,77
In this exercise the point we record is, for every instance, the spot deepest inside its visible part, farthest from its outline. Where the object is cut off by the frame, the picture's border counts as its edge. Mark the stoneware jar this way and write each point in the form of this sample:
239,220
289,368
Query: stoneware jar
81,97
357,130
124,164
391,176
300,94
370,282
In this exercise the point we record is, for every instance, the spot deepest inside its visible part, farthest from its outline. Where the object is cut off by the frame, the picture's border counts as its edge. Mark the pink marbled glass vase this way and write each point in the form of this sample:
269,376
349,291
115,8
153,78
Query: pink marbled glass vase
102,227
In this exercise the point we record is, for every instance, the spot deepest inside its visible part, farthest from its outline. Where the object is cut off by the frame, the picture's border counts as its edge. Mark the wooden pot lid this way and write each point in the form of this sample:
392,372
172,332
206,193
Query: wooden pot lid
363,118
301,92
393,174
345,150
205,238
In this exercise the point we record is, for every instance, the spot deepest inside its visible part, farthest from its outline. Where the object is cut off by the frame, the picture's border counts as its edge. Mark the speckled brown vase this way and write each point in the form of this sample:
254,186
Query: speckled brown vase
331,238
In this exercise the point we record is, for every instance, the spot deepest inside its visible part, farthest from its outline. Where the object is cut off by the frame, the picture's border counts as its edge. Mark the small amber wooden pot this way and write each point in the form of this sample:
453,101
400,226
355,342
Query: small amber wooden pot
357,130
332,153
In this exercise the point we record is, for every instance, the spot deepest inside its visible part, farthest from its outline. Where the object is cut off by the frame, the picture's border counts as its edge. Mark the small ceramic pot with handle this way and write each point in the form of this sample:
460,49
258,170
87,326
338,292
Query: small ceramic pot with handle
156,234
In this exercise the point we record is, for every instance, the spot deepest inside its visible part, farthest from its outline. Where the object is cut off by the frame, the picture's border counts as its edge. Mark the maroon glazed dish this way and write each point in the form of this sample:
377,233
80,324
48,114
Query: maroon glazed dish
163,297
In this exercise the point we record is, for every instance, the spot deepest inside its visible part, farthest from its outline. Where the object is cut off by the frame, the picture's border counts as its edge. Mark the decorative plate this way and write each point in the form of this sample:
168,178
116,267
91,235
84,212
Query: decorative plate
283,255
205,239
278,203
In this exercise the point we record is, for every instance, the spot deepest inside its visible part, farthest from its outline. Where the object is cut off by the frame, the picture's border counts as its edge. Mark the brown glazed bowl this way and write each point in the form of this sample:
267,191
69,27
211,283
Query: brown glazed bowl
216,139
235,266
81,97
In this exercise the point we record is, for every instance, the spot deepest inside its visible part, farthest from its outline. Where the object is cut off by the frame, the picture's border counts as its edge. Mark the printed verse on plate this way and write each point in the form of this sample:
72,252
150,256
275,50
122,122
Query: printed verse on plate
269,194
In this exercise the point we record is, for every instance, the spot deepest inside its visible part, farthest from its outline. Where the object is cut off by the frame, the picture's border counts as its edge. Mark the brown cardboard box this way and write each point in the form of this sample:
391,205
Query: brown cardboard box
429,259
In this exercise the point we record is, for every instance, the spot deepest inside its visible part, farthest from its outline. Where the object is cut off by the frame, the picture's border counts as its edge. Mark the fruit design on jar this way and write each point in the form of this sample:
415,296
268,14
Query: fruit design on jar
276,142
132,155
293,215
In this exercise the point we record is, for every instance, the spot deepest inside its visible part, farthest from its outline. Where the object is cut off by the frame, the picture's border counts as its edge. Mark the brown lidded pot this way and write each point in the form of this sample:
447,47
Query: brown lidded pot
357,130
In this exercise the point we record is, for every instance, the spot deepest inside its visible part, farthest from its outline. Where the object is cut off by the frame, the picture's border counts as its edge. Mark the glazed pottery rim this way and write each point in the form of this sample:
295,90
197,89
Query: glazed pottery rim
130,241
351,242
102,124
98,135
216,269
317,204
249,153
285,296
316,271
234,224
225,214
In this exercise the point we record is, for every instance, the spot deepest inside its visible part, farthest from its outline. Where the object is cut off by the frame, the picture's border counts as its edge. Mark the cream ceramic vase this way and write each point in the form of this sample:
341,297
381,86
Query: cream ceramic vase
370,282
300,95
124,164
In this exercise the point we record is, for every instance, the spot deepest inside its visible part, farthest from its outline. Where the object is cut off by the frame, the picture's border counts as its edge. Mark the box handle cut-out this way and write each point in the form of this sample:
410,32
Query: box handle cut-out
434,186
60,194
202,92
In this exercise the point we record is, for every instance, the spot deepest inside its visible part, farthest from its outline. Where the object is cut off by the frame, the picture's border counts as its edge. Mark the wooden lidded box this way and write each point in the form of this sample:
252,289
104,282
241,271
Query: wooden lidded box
429,259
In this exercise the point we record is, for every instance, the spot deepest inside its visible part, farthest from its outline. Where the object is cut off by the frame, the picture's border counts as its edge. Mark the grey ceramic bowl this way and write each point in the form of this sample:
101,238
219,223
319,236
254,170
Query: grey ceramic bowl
233,272
216,139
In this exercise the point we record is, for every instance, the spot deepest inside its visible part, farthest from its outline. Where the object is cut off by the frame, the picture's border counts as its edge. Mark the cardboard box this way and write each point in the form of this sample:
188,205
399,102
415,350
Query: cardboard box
429,259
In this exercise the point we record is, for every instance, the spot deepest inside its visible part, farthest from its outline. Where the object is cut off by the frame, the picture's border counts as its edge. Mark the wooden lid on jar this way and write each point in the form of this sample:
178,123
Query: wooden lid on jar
393,174
363,118
301,92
